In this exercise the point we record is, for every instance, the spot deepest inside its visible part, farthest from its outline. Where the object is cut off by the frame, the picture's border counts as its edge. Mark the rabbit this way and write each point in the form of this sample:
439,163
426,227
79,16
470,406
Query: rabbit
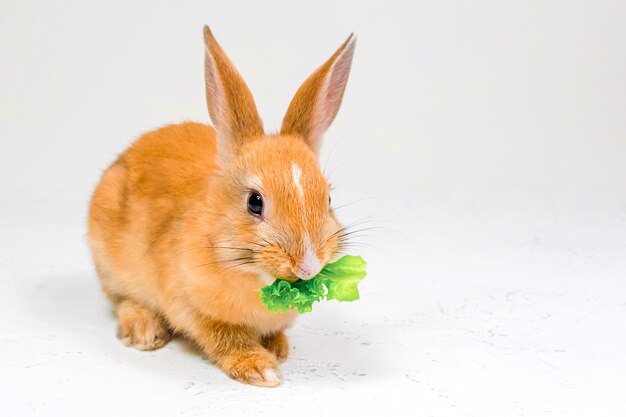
191,221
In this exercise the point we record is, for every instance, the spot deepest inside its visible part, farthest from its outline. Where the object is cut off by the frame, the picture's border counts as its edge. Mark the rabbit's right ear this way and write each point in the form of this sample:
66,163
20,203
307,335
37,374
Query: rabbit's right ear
229,100
317,101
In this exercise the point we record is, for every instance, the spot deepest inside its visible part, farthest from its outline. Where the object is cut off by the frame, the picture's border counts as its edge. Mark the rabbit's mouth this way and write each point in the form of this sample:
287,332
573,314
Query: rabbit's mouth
266,278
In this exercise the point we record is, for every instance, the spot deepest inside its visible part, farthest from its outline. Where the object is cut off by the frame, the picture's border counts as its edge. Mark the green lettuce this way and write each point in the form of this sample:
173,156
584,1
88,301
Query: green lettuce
337,281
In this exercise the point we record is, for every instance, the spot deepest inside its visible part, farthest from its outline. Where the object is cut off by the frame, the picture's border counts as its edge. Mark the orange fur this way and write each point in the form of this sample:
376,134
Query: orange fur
175,247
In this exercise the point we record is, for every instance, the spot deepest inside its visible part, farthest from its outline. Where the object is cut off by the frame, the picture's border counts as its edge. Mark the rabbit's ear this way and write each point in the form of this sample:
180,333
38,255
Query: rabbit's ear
231,105
317,101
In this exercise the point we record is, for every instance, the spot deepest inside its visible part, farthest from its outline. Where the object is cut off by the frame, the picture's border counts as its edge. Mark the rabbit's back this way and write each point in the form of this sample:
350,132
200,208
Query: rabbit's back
139,200
173,162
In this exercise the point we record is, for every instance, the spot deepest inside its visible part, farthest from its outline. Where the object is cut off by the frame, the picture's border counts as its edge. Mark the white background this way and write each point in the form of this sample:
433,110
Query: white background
486,139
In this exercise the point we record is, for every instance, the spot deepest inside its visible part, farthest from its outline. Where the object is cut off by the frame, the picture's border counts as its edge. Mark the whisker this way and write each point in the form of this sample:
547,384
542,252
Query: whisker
254,243
262,238
365,229
353,202
243,263
364,220
229,247
245,258
347,245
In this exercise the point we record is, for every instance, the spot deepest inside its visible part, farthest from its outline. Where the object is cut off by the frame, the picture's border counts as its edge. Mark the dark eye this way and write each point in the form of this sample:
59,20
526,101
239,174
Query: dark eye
255,204
329,200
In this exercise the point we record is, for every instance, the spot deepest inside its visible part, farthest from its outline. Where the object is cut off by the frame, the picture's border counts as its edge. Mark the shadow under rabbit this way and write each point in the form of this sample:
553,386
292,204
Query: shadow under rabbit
74,308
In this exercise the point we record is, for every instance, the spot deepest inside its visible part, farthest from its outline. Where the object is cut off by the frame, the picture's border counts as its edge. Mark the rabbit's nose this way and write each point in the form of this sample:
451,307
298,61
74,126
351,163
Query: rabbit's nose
309,266
305,272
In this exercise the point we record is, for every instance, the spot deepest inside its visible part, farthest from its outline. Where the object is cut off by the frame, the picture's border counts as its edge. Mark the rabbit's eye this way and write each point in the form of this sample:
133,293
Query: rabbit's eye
255,204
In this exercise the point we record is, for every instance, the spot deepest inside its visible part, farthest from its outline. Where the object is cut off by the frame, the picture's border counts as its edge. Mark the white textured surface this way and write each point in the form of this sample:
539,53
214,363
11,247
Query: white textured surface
476,308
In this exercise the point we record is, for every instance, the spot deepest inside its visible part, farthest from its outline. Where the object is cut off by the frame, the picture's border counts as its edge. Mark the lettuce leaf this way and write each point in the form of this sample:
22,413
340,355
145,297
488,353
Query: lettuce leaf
336,281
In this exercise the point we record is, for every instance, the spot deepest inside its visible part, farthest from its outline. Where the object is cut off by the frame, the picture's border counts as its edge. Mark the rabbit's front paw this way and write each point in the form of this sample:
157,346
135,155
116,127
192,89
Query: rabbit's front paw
255,367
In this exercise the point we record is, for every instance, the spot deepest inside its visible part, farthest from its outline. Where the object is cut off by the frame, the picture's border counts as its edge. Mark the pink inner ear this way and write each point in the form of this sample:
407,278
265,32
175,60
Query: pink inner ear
214,93
331,94
215,104
336,85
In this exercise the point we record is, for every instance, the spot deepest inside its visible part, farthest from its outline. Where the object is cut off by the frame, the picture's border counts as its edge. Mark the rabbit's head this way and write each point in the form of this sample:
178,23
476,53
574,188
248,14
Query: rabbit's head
271,195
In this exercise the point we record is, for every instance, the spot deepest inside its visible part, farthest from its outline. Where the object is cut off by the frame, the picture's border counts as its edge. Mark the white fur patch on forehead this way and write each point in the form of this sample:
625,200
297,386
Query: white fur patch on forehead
296,173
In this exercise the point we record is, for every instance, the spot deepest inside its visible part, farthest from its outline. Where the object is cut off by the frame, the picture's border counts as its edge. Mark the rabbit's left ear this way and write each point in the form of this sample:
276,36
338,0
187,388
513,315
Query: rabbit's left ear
317,101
